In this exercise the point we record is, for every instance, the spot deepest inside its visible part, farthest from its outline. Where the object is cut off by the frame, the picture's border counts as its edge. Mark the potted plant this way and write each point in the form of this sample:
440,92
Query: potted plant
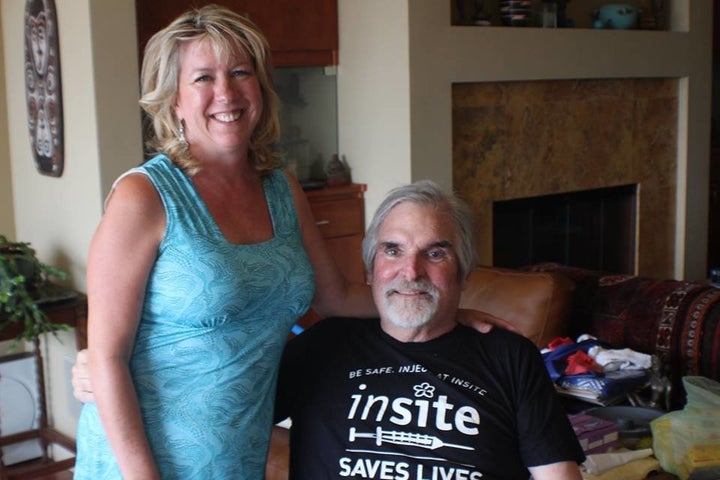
23,280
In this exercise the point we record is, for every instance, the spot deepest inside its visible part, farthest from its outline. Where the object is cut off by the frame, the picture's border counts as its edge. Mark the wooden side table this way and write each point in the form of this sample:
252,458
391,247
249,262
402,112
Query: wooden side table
69,309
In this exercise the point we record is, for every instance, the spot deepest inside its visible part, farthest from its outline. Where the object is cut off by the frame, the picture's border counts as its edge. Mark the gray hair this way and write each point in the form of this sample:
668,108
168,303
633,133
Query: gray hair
228,32
427,194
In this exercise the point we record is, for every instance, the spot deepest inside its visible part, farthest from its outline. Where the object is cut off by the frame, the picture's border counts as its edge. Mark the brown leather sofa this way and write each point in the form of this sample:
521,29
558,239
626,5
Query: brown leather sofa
678,321
537,304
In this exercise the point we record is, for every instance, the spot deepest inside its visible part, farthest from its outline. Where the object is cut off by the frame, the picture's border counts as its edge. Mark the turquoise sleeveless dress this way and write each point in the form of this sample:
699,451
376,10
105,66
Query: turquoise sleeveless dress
214,323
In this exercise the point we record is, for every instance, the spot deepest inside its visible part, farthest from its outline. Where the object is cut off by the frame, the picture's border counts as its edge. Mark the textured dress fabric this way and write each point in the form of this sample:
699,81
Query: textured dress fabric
463,406
214,323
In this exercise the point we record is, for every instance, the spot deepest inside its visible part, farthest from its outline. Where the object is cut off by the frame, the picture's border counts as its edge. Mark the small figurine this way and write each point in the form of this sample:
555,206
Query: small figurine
338,172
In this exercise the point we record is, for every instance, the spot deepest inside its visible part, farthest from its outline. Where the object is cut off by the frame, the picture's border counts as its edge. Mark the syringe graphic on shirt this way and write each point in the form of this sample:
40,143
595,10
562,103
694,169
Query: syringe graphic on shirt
429,442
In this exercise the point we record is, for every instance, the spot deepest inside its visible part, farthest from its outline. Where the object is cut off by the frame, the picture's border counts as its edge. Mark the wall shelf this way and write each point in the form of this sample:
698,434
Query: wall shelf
579,12
518,53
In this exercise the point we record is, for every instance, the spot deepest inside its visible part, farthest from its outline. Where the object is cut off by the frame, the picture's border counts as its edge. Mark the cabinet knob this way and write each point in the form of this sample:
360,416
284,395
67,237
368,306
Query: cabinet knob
322,222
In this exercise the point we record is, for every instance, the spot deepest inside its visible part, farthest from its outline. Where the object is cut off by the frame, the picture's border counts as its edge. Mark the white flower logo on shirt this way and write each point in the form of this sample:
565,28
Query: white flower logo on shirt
424,390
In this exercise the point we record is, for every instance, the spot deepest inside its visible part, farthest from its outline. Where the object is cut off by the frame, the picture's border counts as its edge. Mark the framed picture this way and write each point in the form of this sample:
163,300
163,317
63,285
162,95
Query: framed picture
43,89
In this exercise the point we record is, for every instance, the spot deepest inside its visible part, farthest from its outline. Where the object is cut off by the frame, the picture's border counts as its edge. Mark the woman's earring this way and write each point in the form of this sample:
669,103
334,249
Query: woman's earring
181,134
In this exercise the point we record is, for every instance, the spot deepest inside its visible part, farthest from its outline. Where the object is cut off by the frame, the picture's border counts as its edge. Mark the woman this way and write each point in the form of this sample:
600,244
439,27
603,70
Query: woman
205,257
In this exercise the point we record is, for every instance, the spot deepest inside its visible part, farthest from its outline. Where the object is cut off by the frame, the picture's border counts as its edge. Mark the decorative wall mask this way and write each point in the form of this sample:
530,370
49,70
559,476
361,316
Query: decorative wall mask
43,91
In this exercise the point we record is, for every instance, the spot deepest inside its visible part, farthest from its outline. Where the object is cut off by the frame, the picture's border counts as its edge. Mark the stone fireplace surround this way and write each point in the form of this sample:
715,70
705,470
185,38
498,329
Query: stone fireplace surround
528,138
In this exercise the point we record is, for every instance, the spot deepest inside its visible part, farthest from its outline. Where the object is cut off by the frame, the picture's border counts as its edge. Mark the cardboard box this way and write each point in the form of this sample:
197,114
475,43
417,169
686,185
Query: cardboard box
595,435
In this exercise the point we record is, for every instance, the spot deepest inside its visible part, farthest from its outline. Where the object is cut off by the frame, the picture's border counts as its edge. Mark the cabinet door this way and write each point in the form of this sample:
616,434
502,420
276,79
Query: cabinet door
300,33
346,251
340,215
341,220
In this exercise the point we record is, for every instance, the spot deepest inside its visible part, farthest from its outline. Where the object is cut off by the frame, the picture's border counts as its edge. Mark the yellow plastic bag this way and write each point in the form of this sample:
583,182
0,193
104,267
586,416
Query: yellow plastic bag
687,442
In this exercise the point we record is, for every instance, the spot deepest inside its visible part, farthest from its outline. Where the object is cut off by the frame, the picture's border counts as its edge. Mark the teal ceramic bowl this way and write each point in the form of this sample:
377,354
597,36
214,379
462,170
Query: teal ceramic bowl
618,16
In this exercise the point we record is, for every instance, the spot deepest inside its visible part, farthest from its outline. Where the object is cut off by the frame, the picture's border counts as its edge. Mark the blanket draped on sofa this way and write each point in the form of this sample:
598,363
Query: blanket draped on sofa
677,320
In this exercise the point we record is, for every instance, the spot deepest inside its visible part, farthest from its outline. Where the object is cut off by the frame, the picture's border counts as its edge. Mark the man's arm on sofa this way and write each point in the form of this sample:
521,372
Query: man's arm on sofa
278,461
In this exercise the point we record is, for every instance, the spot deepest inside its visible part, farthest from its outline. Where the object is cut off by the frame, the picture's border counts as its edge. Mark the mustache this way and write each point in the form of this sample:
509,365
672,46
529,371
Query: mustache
420,286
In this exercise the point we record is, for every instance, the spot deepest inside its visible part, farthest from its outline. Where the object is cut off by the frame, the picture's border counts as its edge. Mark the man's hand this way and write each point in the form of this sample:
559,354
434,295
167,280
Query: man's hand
483,322
82,388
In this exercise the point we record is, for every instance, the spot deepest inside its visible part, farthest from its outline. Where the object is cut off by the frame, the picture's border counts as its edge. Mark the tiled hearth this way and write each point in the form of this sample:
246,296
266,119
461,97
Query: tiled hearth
523,139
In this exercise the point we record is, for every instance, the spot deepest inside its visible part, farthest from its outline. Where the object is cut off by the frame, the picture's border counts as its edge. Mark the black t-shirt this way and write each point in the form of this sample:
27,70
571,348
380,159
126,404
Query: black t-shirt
463,406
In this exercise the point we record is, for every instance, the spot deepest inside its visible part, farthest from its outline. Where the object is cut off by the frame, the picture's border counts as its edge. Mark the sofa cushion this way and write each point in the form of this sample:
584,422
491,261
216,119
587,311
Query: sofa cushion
536,303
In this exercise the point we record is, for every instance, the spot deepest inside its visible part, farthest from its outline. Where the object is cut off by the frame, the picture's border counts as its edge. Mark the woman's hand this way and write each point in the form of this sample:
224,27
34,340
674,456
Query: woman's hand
82,387
483,322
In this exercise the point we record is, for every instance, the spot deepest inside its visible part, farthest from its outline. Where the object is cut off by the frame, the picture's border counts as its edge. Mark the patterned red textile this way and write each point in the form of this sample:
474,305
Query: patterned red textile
677,320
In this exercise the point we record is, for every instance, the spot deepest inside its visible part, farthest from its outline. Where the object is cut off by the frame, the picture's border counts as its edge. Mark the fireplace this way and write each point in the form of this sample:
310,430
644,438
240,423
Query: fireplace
525,139
592,229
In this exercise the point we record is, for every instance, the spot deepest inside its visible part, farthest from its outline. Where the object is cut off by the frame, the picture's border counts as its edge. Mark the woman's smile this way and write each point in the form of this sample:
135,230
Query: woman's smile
228,117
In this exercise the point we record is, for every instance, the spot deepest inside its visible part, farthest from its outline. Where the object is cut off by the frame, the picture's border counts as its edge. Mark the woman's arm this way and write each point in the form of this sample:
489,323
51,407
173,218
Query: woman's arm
122,253
334,294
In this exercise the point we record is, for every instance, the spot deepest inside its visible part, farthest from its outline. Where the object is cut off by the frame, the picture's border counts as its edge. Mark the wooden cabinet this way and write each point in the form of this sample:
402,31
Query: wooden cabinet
300,33
340,214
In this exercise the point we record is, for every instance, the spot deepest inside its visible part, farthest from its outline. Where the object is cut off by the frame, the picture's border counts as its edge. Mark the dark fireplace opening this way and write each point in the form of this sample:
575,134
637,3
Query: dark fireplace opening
594,229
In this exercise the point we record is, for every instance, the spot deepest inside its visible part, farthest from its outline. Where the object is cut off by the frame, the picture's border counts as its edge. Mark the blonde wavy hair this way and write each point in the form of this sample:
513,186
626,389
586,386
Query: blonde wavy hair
228,31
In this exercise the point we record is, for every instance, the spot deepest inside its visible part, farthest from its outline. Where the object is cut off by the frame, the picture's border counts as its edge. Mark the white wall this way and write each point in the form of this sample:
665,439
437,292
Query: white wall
102,137
374,94
7,213
117,88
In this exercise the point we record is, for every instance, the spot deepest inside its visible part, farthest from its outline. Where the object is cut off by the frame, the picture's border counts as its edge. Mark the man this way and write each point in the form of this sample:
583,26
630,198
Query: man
414,395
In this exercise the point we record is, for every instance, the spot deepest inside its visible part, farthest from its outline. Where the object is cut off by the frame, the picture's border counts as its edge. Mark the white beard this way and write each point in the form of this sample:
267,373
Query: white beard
410,311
